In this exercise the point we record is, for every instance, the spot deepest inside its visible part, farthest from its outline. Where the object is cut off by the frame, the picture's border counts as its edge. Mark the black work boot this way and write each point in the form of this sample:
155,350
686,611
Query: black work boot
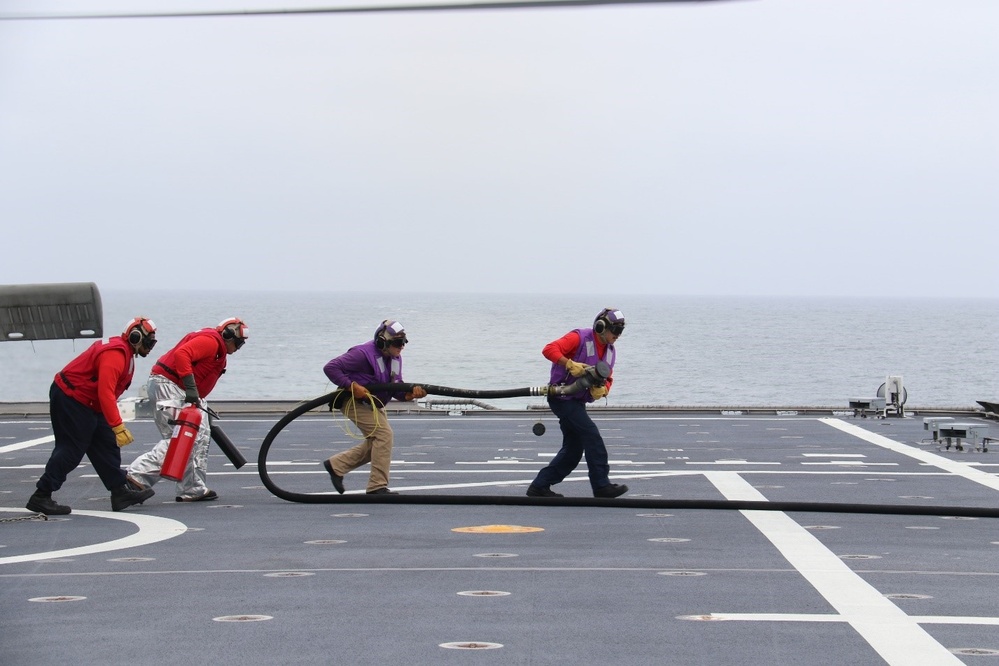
43,503
613,490
126,495
542,491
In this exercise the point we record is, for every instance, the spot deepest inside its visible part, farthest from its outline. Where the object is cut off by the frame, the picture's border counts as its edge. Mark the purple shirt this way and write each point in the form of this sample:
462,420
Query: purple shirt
366,364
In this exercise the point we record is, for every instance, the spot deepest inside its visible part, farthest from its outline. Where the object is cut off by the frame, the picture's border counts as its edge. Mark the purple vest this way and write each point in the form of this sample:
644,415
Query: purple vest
586,353
386,370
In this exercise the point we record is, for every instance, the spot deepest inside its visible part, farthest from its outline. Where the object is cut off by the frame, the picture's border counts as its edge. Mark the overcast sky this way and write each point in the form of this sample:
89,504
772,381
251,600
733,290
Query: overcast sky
758,147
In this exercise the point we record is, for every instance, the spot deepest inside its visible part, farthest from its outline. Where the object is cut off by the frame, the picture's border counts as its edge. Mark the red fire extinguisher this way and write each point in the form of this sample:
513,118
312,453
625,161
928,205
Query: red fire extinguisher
185,431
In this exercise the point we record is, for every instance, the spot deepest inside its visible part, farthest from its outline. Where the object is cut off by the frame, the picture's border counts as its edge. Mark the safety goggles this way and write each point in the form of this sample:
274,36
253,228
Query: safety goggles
616,329
399,343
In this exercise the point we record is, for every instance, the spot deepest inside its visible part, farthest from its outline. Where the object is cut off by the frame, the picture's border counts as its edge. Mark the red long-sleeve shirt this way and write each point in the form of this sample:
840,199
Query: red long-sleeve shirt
567,346
109,369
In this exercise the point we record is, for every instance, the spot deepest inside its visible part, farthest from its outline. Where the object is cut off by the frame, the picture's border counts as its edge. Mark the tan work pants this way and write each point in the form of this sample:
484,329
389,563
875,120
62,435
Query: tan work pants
375,449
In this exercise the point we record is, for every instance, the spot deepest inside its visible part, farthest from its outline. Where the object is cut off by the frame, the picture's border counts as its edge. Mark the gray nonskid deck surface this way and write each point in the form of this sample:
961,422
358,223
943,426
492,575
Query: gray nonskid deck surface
385,583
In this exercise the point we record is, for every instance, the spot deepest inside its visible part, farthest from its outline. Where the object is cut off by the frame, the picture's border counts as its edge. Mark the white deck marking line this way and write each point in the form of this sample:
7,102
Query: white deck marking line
447,486
895,636
727,462
577,476
850,463
311,463
26,445
631,474
815,617
151,530
952,466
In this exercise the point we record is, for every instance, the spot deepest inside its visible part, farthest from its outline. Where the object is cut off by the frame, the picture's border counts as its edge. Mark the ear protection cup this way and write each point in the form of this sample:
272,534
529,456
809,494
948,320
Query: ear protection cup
600,323
227,333
134,336
380,342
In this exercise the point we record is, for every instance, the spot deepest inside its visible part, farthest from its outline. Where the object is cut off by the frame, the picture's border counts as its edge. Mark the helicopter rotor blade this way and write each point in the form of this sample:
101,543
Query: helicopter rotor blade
353,9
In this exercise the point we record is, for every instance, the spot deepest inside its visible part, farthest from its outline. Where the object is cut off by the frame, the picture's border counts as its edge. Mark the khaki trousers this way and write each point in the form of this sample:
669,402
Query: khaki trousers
375,449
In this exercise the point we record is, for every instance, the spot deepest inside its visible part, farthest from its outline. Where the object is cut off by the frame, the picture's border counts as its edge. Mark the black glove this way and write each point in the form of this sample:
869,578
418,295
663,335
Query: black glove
190,390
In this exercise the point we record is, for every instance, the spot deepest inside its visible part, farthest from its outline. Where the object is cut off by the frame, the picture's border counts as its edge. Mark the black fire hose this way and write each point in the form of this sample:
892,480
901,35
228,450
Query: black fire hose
618,502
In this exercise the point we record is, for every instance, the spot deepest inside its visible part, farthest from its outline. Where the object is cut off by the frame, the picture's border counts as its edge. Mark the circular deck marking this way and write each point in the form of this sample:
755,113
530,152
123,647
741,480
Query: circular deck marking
669,539
348,515
131,559
496,555
324,542
978,652
907,595
483,593
242,618
151,530
471,645
497,529
56,599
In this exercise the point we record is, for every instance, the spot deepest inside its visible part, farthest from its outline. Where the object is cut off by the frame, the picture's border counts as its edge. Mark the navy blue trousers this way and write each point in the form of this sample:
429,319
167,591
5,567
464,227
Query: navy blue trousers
580,437
79,431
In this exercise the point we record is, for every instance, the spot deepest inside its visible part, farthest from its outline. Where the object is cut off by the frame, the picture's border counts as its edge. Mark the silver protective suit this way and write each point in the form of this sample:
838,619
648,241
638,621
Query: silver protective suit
146,468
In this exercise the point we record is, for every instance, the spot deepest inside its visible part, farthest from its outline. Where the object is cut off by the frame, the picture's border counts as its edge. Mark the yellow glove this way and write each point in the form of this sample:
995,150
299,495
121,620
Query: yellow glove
575,369
598,392
122,435
358,391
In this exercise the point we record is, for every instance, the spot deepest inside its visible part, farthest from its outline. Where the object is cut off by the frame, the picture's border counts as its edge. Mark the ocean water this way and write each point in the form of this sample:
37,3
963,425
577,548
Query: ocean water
710,351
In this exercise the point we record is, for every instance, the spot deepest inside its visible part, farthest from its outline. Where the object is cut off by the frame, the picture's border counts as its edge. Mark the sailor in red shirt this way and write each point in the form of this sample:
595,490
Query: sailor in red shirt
188,373
570,357
83,407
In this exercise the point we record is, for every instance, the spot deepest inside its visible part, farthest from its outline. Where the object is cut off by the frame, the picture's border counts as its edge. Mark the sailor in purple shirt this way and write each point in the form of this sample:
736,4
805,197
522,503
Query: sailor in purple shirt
378,361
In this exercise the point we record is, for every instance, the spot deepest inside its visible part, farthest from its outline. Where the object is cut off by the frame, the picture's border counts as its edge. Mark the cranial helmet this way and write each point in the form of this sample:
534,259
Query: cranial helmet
234,329
140,330
609,318
389,330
